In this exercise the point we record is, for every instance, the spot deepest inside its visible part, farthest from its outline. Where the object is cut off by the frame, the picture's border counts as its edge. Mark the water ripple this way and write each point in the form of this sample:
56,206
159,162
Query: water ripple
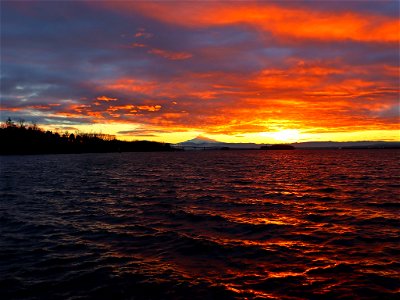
201,225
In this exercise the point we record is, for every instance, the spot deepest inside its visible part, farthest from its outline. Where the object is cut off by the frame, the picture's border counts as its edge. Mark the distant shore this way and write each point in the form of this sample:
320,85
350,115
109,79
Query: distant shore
21,139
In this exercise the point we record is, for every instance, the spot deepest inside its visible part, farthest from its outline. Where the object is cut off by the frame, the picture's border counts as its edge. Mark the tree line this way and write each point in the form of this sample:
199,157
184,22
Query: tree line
21,138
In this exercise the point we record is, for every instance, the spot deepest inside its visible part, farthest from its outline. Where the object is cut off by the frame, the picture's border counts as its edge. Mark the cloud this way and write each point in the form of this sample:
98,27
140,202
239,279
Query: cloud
138,45
105,98
163,53
217,67
169,54
282,21
144,132
142,33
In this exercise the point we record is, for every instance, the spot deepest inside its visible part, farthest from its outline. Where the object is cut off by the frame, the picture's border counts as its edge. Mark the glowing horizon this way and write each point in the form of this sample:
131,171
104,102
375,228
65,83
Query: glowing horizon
262,72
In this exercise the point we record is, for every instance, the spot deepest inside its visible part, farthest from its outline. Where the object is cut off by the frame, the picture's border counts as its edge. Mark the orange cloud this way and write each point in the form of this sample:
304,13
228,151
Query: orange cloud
129,85
13,109
170,54
105,98
227,103
120,107
96,114
149,107
279,20
69,114
79,108
134,108
142,33
138,45
290,96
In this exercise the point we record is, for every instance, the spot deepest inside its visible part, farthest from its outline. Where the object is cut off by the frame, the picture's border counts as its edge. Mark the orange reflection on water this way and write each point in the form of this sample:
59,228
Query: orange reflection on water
274,219
254,293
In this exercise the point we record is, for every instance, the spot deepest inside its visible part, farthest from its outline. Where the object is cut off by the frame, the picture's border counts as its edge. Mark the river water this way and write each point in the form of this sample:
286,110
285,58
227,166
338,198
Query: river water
302,224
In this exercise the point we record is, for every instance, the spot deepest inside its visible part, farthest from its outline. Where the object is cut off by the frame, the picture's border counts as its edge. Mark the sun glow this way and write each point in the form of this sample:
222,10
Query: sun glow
286,135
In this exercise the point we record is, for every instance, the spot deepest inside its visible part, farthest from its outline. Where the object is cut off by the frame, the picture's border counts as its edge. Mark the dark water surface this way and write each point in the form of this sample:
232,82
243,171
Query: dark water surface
201,225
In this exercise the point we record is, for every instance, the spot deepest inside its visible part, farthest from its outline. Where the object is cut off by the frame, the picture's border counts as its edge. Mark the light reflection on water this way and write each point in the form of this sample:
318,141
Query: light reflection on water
204,225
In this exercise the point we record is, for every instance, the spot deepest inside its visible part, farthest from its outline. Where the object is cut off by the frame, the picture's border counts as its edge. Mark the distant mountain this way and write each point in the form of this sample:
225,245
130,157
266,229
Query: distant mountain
199,140
202,142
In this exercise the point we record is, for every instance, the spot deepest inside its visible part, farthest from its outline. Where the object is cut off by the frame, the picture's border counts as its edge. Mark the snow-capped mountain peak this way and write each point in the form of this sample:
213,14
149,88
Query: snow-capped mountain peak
201,140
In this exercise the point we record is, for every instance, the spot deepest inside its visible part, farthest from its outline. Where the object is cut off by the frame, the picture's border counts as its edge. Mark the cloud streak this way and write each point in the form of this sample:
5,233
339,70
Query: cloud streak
279,20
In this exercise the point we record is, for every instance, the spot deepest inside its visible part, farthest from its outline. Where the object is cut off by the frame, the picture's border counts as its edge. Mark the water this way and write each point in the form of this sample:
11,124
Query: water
201,225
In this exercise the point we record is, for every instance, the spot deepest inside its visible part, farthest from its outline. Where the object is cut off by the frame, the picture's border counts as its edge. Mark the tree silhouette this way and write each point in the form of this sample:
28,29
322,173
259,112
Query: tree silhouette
24,139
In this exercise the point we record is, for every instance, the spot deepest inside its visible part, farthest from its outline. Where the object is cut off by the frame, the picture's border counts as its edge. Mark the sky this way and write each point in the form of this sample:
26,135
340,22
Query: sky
254,71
